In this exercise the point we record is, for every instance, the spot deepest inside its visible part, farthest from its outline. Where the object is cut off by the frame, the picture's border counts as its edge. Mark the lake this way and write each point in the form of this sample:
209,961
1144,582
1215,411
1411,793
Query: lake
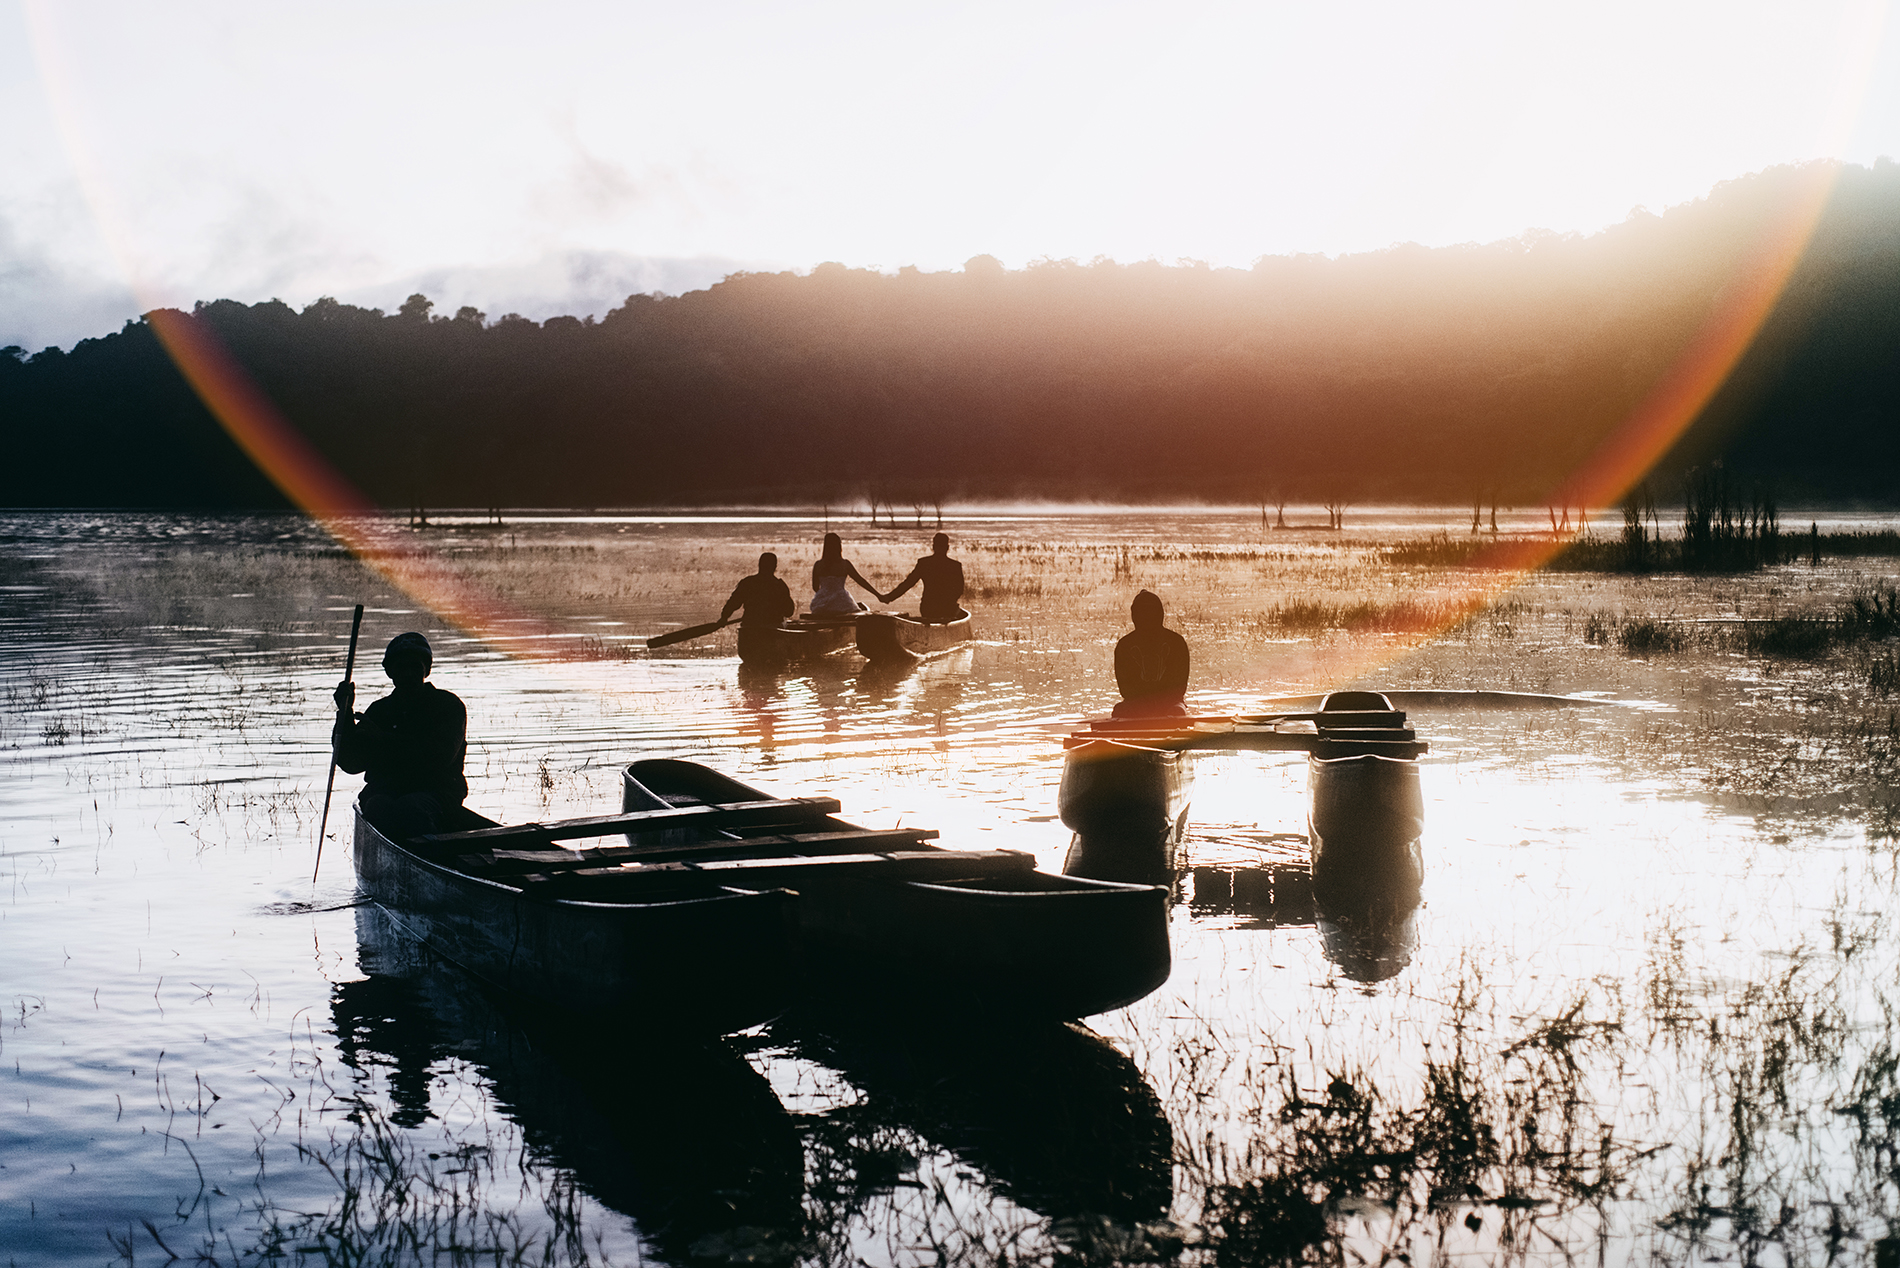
1646,1010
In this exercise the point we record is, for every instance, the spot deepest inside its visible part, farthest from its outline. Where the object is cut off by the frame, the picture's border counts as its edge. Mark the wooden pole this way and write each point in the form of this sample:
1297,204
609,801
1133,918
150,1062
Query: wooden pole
329,785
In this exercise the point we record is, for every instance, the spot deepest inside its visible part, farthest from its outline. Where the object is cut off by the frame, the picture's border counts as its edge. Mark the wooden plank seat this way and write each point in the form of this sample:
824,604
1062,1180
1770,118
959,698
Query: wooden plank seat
1394,741
735,815
777,844
790,873
1328,719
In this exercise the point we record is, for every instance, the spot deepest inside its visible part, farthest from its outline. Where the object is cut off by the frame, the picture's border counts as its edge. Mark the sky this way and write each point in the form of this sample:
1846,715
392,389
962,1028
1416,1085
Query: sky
554,157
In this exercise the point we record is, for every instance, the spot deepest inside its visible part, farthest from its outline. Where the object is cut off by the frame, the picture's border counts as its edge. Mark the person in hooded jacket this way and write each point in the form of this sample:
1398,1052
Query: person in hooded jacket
1151,664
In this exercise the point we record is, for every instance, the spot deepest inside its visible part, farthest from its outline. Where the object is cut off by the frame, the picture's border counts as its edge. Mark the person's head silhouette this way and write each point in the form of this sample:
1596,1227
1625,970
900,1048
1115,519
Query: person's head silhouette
834,546
940,544
1146,610
407,659
768,564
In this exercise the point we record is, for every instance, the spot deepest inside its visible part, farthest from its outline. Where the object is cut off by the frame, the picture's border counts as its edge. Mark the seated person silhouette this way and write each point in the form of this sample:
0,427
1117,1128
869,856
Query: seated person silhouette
409,745
828,575
1151,664
767,600
943,584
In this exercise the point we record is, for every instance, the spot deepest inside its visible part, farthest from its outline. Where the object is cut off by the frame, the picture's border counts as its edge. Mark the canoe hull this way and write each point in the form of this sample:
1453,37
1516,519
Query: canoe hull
1115,790
998,946
1364,825
798,640
889,638
1027,944
699,957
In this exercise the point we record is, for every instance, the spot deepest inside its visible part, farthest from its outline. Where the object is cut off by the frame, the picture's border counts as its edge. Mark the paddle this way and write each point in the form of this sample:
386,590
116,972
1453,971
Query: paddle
329,785
690,632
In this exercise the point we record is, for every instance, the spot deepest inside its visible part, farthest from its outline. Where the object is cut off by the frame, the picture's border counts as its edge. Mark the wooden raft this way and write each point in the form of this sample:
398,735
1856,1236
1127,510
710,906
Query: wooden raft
1335,733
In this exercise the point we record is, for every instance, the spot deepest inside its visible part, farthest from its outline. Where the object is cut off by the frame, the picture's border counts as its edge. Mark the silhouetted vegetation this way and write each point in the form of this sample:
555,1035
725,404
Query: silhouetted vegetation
1468,373
1867,616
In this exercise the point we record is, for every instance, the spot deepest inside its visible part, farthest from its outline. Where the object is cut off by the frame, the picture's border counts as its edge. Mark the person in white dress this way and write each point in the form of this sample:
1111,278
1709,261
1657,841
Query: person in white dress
828,577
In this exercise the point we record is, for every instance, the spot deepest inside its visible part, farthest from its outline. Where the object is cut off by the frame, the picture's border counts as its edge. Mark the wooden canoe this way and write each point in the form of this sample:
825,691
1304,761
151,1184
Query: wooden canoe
893,638
1366,815
803,638
1128,807
681,952
983,931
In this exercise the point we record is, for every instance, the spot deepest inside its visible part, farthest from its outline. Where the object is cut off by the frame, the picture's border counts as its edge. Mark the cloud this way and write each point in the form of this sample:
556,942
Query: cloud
46,299
54,295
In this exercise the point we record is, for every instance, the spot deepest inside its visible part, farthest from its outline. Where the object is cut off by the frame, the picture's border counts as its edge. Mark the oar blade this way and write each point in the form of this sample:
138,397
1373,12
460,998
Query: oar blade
689,633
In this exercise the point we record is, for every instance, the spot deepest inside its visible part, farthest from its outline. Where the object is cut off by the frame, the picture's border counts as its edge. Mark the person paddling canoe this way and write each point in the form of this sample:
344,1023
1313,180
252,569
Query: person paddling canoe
766,600
410,745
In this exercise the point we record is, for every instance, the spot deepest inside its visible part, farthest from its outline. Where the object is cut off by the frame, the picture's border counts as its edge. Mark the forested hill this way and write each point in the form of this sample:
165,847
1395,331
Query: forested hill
1405,374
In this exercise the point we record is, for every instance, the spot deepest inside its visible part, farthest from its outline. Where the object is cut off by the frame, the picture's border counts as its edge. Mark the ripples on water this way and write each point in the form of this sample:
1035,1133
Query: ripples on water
1627,1022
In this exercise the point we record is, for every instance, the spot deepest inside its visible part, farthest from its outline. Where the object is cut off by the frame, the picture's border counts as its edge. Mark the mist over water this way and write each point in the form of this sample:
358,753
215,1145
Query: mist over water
1647,1008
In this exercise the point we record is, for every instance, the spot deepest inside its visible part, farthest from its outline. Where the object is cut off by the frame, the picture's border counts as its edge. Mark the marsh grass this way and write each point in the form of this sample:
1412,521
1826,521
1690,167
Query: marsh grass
1512,1149
1867,615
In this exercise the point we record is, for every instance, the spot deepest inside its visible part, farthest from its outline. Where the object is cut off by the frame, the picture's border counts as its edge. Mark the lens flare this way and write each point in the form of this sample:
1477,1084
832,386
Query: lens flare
1641,439
311,483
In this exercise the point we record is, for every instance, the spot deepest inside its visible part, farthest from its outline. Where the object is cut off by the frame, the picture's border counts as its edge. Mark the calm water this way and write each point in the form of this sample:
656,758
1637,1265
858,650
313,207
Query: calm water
1632,1019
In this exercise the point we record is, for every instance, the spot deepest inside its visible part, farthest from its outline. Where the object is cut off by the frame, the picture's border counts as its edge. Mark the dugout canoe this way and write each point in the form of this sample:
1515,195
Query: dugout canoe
800,639
681,951
895,638
1366,816
1111,789
1127,806
936,929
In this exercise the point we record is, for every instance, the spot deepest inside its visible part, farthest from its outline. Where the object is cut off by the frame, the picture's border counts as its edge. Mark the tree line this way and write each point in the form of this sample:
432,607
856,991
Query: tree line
1453,374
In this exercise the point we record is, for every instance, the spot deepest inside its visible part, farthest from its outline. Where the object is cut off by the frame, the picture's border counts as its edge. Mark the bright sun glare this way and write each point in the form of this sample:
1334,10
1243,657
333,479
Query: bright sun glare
240,151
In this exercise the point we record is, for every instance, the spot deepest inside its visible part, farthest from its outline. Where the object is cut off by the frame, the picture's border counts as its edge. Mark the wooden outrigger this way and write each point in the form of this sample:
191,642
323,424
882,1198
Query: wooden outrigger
1124,788
1333,733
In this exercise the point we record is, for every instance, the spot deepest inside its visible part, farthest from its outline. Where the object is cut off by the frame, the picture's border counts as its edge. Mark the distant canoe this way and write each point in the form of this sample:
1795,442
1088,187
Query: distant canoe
686,952
801,639
892,638
938,929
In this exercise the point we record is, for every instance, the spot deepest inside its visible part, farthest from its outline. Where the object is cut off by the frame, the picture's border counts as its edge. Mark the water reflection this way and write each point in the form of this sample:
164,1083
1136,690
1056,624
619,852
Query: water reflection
1054,1117
1369,942
1649,1019
1271,896
684,1137
1372,944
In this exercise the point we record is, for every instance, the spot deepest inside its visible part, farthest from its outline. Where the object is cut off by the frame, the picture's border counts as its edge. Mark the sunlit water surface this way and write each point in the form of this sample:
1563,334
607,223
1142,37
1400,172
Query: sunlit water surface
1626,1022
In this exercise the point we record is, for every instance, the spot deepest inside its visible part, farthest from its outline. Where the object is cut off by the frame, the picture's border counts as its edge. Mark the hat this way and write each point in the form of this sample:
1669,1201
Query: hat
407,647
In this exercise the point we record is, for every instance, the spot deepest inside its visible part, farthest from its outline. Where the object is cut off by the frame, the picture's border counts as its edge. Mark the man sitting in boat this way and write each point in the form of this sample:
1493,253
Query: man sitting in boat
943,584
766,600
409,745
828,575
1151,664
